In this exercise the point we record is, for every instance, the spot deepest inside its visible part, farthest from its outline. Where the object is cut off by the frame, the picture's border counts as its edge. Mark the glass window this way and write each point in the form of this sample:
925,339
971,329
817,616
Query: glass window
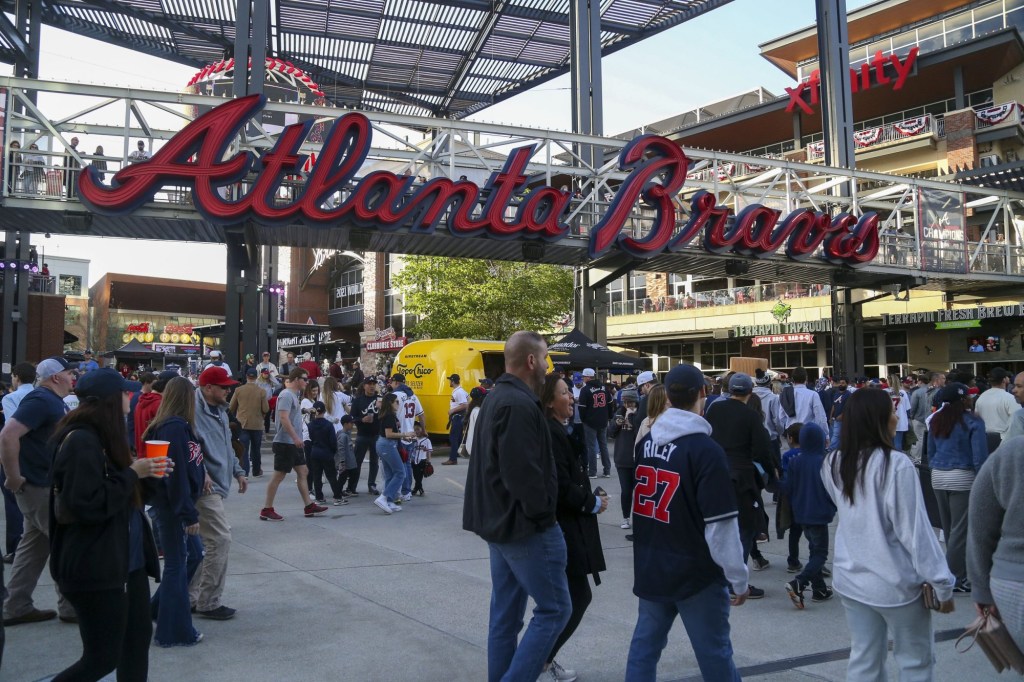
714,355
69,285
895,347
637,286
988,18
786,356
871,349
347,287
958,28
929,37
614,291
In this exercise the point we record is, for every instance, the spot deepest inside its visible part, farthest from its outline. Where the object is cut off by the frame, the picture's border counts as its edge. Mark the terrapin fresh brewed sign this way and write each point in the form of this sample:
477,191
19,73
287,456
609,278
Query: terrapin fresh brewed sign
197,156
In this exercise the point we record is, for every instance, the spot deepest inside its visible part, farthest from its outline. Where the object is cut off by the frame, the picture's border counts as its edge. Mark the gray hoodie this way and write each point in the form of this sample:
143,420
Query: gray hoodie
219,457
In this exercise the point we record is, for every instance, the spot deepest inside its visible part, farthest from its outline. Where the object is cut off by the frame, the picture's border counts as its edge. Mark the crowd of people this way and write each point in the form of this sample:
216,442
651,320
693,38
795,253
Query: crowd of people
920,471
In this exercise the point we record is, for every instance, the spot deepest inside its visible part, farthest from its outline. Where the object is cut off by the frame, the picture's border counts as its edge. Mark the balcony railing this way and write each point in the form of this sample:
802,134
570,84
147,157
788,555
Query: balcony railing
719,297
909,129
998,116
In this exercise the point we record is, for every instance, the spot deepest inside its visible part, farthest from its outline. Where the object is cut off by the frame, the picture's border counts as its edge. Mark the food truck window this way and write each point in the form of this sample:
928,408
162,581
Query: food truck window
494,364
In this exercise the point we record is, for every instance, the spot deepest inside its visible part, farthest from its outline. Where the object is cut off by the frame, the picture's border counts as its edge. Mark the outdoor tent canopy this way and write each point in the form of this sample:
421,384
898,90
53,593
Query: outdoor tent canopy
581,351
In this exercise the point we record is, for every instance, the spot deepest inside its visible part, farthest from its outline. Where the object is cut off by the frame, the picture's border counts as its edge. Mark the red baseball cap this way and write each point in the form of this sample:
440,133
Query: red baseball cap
216,376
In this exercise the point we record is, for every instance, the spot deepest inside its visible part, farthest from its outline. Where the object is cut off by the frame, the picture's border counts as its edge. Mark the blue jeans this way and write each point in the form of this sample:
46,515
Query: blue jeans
817,539
394,468
597,441
407,482
251,440
182,555
532,567
455,437
833,443
705,616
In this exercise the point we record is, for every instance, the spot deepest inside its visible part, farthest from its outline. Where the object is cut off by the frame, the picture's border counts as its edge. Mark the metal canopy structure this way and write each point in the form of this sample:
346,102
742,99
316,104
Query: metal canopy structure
454,148
447,58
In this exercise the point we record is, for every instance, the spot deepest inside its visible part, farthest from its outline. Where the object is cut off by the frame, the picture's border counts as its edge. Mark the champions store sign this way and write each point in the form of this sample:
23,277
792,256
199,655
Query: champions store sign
657,167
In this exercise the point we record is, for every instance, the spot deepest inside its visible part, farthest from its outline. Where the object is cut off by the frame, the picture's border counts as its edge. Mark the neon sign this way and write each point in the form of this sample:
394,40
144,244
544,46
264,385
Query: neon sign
197,156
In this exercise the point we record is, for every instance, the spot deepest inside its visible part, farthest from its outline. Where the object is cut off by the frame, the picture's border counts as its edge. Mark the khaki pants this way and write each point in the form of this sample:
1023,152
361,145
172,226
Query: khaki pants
207,586
919,430
33,551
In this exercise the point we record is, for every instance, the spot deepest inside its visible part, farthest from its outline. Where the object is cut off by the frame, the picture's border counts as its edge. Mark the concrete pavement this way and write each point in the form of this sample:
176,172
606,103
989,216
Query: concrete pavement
358,595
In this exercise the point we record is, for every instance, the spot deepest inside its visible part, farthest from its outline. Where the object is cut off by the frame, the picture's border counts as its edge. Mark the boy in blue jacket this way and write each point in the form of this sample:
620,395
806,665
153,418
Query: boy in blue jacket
813,510
324,446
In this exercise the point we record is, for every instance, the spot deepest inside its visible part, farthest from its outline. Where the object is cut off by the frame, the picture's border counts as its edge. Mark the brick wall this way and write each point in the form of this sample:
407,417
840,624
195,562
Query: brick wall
373,291
961,150
311,300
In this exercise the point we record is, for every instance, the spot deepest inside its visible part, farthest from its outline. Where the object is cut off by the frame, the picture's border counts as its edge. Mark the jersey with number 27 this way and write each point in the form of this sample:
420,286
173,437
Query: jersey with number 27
681,487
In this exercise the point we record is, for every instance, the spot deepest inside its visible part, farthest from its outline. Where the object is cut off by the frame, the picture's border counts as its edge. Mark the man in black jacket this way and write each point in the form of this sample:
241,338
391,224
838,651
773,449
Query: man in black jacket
510,500
740,431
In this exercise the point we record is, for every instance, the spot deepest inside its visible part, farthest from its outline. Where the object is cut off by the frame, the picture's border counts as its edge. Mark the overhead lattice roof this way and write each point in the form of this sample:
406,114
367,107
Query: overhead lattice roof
420,57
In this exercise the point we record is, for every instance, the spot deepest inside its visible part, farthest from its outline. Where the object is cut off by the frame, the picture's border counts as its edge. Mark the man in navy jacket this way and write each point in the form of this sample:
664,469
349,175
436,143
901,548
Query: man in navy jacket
596,407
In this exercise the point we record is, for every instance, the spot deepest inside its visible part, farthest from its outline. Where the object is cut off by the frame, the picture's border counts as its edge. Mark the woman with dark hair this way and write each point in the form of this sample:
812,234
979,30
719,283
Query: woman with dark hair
177,516
476,399
102,552
885,549
387,452
577,510
957,447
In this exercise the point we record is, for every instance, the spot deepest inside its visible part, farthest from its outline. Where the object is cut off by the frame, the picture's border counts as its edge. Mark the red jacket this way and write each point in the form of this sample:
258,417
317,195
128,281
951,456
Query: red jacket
145,410
312,368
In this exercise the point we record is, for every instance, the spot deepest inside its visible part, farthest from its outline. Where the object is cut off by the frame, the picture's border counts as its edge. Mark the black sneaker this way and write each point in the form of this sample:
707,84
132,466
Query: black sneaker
754,592
760,563
962,587
796,593
796,567
373,491
352,493
826,572
821,594
220,613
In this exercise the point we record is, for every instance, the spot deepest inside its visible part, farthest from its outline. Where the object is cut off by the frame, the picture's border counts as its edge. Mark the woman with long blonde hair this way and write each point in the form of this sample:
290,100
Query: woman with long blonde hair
177,516
657,403
336,402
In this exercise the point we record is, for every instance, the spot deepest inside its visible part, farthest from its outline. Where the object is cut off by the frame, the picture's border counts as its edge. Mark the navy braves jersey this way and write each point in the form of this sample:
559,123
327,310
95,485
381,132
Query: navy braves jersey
680,488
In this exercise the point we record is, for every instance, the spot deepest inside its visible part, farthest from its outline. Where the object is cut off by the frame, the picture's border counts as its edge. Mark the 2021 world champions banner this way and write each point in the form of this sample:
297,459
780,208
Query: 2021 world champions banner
941,214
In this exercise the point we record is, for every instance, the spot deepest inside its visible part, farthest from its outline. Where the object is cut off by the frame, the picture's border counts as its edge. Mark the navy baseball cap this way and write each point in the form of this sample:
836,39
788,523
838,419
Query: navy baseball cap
104,383
251,372
741,384
686,376
347,419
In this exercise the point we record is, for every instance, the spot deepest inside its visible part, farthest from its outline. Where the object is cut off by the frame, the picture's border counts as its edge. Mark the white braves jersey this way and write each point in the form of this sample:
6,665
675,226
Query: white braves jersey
409,407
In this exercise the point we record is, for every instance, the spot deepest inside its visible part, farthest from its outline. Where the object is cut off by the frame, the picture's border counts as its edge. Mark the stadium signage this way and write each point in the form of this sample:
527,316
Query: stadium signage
198,156
860,79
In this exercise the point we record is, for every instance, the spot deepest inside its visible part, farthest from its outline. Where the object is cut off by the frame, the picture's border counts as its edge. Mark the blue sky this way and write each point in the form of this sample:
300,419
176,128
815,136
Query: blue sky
704,60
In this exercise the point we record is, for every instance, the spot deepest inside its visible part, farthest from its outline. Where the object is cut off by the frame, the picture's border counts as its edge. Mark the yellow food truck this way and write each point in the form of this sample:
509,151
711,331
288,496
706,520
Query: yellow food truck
428,364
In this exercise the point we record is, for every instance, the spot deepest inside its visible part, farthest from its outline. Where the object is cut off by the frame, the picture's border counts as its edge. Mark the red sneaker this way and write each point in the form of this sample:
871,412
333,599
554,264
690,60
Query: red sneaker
313,509
268,514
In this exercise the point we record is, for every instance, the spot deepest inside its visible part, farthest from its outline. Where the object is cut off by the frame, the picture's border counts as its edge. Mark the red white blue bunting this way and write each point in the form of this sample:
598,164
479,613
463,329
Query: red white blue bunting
997,114
866,138
912,126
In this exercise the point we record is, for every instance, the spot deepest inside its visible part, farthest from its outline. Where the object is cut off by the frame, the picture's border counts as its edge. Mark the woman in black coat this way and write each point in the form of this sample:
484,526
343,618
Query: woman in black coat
577,512
102,552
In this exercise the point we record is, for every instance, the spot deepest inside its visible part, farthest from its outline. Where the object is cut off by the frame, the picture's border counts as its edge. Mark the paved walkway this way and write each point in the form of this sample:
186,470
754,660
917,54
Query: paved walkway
358,595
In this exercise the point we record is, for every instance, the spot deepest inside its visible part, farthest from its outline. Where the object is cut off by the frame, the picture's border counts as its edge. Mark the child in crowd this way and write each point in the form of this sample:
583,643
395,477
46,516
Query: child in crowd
419,457
322,450
813,509
784,512
623,430
345,456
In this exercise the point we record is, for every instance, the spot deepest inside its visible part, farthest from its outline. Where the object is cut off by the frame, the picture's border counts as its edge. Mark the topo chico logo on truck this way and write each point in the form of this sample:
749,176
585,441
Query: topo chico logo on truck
417,370
197,157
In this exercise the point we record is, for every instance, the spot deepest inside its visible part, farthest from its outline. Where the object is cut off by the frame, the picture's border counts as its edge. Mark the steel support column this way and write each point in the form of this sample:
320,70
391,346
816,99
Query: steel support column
269,317
28,16
588,119
837,126
13,339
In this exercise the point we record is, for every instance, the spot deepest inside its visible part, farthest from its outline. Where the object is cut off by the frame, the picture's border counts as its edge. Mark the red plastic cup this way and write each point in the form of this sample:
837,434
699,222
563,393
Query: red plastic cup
158,448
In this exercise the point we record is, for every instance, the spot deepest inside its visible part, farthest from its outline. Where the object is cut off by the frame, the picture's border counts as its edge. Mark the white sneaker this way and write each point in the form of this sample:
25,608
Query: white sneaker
406,497
561,674
625,524
383,503
394,507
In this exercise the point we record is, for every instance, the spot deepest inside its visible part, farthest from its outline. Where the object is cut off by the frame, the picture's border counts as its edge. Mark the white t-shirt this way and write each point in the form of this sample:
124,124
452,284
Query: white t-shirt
901,405
459,397
342,406
996,407
306,404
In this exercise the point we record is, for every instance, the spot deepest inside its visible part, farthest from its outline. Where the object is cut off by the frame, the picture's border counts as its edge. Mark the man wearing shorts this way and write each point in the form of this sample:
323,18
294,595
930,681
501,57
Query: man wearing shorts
287,446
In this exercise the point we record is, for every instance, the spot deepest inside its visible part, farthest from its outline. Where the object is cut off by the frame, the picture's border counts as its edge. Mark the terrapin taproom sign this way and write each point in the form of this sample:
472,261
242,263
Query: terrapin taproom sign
198,157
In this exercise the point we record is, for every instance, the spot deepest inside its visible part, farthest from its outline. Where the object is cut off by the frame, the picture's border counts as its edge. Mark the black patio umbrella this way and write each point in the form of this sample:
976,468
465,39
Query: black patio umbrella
577,351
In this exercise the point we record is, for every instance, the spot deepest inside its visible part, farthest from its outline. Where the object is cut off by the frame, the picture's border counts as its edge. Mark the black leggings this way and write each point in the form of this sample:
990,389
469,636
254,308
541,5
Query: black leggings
417,476
626,483
116,630
580,596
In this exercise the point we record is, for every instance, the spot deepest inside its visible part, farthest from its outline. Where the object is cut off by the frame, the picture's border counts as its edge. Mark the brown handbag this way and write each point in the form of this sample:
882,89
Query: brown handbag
995,640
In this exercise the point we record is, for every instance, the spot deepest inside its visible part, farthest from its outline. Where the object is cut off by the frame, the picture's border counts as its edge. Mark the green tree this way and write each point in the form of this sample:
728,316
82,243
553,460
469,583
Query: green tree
482,299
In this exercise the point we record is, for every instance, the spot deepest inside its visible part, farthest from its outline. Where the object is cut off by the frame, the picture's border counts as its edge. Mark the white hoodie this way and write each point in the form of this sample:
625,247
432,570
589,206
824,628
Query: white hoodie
722,535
